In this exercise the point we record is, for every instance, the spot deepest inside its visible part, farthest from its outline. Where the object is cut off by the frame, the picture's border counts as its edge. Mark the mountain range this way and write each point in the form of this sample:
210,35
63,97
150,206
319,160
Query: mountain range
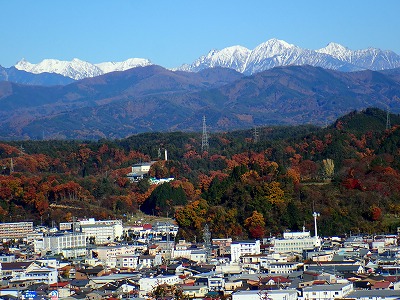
276,53
152,98
267,55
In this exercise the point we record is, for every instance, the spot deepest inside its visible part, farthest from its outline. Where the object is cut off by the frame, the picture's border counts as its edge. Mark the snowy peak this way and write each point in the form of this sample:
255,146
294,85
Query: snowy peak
336,50
79,69
273,47
232,57
130,63
275,52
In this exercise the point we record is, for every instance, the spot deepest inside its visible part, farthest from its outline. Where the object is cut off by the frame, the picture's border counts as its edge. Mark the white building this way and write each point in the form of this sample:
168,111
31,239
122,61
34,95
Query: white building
327,291
148,284
289,294
127,261
139,171
295,242
102,231
71,245
240,248
18,230
46,275
108,254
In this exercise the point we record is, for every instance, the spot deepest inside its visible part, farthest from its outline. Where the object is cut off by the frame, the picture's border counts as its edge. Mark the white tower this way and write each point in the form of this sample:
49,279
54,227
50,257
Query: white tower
317,240
166,154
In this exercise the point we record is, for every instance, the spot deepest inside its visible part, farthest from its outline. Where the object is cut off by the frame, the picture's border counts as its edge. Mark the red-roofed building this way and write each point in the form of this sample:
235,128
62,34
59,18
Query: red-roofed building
382,285
63,288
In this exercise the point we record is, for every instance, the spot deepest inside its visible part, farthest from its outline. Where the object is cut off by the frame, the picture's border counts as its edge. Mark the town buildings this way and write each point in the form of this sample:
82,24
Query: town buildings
72,264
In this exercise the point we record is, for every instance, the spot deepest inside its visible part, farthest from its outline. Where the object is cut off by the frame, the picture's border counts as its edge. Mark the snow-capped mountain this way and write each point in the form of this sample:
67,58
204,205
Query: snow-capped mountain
79,69
267,55
274,53
130,63
370,58
235,57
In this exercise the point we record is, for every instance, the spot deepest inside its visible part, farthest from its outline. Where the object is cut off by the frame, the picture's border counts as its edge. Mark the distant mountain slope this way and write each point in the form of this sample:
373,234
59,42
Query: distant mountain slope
20,105
46,79
155,99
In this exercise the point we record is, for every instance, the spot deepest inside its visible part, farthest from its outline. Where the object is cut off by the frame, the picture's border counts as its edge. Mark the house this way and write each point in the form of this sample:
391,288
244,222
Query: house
374,294
90,272
325,291
147,284
127,261
289,294
284,267
146,261
63,289
192,291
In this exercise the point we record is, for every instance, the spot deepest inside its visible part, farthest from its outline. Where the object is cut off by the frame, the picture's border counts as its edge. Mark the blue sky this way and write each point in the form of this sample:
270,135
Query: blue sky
171,33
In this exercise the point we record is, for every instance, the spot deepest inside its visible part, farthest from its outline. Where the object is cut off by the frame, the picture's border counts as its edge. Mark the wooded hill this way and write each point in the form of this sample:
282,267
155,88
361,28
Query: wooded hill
349,172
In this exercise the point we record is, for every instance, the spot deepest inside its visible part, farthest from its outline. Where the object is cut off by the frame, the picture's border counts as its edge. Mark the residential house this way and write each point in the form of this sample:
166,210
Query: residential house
289,294
331,291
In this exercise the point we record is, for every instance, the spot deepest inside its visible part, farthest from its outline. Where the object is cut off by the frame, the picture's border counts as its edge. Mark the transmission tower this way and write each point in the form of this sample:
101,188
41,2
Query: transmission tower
256,136
204,138
207,242
388,125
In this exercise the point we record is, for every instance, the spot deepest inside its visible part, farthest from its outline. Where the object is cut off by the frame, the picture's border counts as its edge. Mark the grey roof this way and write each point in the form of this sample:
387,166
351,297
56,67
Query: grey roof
374,293
325,287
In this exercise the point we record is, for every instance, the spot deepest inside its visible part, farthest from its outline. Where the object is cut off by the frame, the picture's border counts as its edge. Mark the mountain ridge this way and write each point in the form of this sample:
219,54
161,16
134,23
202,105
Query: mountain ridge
269,54
152,98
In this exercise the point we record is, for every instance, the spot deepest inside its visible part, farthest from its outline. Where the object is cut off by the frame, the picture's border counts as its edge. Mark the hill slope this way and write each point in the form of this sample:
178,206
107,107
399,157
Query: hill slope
155,99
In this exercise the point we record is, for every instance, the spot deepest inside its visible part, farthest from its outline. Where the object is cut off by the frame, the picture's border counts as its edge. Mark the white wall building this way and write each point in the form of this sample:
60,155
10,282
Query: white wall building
295,242
72,243
127,261
240,248
108,254
18,230
102,231
328,291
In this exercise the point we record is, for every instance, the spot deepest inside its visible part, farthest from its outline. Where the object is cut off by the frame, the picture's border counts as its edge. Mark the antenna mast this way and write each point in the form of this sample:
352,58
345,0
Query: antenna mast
388,125
204,138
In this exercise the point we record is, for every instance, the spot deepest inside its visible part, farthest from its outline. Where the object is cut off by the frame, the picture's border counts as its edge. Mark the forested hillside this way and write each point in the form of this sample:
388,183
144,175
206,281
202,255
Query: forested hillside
349,172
